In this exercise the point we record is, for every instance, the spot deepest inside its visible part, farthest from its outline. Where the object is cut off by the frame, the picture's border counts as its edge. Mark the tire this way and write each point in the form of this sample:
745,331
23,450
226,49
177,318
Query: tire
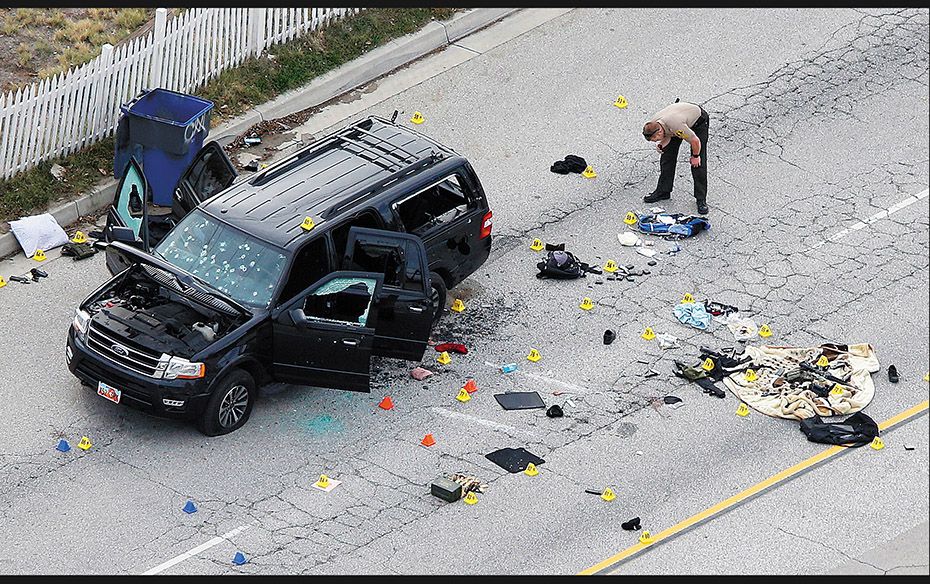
218,417
438,293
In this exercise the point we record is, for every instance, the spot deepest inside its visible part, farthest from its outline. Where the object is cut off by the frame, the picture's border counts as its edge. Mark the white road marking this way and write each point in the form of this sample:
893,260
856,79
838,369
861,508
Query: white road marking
880,215
504,427
189,554
542,378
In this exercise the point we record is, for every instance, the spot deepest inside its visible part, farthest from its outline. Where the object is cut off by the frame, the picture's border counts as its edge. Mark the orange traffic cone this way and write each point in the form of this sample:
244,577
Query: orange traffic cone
428,440
471,386
386,403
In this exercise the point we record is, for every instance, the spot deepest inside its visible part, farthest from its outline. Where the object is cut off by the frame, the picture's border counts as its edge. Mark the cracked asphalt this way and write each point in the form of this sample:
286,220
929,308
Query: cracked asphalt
818,120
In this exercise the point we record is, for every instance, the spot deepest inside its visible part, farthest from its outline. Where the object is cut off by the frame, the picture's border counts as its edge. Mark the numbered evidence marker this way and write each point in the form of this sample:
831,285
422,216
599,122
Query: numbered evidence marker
463,395
742,410
417,118
708,364
471,498
534,355
457,305
608,494
822,362
688,299
765,331
610,266
537,245
307,224
630,218
648,333
326,484
837,390
589,172
39,256
750,375
621,102
586,304
877,443
531,470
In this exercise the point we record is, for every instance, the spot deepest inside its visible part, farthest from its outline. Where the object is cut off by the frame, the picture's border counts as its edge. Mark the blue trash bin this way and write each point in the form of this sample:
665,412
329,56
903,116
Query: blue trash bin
164,130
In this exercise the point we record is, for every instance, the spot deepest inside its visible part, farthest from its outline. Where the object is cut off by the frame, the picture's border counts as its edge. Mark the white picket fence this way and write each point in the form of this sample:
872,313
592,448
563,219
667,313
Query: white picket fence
67,112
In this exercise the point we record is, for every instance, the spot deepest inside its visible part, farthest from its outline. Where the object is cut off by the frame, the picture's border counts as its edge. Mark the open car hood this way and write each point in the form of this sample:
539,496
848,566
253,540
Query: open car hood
125,256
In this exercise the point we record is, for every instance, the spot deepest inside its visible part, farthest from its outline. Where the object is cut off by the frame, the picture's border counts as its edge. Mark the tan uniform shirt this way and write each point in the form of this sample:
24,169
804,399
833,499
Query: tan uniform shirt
677,119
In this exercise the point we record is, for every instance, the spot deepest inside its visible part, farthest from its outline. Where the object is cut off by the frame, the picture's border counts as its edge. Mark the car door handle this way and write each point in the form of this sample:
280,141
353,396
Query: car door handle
350,342
415,308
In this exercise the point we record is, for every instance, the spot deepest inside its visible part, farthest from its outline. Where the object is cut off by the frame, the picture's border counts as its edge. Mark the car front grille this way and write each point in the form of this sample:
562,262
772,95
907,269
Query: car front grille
135,358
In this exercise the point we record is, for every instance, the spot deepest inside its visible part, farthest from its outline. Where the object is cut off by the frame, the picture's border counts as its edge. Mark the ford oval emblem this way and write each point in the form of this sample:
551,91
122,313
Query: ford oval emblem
120,350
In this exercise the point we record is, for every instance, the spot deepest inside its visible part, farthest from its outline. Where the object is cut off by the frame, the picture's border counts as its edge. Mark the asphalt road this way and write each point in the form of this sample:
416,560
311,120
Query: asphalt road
818,120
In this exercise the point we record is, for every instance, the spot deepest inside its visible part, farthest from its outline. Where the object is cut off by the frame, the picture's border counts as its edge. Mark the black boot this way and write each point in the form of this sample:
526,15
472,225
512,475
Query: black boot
702,207
893,374
656,196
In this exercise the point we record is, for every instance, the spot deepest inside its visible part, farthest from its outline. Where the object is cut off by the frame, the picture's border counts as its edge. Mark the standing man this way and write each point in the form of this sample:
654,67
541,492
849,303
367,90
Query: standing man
677,122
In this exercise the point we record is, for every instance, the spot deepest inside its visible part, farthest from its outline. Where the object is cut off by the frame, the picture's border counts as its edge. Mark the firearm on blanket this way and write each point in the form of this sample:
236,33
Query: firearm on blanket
816,371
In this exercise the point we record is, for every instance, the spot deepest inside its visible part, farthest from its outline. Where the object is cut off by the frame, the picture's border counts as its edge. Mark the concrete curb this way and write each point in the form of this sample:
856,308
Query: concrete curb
352,75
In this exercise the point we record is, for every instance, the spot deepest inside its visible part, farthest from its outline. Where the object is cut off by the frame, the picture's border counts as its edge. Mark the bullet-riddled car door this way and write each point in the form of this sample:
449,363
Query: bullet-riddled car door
404,308
323,337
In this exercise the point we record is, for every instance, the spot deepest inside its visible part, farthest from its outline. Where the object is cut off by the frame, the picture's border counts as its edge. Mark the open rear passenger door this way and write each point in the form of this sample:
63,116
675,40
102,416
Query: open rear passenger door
404,307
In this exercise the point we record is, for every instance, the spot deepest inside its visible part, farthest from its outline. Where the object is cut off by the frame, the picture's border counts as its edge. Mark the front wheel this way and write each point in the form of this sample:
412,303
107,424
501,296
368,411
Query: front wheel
437,295
230,405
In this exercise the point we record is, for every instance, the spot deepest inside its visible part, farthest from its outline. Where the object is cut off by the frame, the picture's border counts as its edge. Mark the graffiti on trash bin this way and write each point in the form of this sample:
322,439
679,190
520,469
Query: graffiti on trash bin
199,125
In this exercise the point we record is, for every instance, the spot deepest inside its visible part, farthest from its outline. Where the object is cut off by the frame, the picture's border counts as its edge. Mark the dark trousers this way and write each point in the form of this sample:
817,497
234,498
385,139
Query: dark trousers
670,160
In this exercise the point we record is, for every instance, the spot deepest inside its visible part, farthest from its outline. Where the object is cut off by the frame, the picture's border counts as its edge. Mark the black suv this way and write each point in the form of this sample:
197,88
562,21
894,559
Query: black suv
298,273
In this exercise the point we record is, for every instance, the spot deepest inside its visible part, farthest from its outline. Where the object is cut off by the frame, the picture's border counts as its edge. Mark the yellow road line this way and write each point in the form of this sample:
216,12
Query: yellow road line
753,490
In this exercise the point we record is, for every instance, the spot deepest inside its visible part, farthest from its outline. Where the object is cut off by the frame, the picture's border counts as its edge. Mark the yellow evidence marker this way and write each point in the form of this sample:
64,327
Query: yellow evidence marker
608,494
648,333
84,444
610,266
534,355
750,375
417,118
765,331
39,256
444,358
589,172
537,245
630,218
621,102
457,305
688,299
531,470
307,224
586,304
471,498
463,395
742,410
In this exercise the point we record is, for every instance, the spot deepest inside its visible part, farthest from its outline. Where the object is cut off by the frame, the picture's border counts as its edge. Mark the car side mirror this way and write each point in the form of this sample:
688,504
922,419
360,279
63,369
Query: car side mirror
122,234
298,316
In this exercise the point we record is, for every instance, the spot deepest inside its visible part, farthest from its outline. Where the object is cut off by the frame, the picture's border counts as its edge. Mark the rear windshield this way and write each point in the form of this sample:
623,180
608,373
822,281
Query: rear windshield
230,261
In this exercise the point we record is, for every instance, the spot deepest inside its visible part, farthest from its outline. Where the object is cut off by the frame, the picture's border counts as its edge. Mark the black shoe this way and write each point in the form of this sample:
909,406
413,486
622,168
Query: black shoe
656,196
893,374
702,208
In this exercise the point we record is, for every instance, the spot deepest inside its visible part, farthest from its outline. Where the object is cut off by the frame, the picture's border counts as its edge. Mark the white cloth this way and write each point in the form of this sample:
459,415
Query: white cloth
38,232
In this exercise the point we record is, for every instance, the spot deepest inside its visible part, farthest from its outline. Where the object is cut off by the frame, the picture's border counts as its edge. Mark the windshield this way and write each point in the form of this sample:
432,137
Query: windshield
237,265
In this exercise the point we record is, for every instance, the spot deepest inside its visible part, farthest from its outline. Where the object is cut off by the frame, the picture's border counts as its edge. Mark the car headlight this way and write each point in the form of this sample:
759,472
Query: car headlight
80,322
179,368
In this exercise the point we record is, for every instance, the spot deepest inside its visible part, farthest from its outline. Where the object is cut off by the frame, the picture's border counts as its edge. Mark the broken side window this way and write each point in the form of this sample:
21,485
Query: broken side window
343,300
439,204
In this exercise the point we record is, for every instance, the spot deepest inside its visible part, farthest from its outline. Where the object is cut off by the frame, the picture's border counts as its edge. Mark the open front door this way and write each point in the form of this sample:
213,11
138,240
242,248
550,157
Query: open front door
404,308
323,337
127,213
210,172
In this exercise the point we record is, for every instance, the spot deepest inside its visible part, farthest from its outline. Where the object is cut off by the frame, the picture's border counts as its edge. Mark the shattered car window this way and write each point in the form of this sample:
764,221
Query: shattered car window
342,299
230,261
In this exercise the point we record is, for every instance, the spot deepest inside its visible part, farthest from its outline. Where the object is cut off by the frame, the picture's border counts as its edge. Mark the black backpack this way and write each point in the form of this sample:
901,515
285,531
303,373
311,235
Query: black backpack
563,265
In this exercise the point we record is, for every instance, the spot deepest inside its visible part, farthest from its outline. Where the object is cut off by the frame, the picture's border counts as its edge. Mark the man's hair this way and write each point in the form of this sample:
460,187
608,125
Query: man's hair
651,128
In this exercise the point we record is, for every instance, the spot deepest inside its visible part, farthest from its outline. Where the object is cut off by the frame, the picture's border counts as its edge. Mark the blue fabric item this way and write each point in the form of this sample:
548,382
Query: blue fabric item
684,225
694,314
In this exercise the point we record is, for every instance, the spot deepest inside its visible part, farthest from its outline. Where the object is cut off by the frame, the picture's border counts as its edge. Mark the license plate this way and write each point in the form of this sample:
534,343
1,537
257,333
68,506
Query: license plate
109,392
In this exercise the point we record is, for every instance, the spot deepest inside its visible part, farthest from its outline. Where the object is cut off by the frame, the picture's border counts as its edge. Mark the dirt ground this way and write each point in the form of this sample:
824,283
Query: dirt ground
40,42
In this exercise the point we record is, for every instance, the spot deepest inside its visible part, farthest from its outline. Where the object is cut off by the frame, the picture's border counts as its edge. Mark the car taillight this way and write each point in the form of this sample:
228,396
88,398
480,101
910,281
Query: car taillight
486,225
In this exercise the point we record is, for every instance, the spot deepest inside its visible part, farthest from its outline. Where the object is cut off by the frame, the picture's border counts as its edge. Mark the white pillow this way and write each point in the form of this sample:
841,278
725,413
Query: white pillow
38,232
